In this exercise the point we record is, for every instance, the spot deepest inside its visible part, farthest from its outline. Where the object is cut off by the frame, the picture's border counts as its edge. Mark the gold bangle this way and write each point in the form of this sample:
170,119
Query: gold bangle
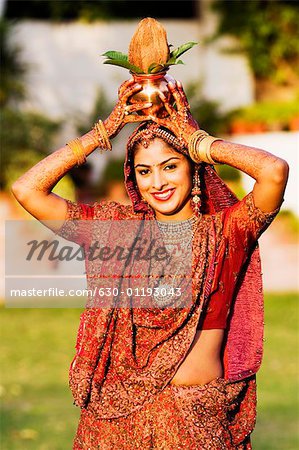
193,143
78,150
101,142
105,135
204,149
102,135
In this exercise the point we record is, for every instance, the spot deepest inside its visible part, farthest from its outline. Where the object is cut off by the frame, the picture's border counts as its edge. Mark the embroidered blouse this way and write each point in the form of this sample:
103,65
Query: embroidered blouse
243,223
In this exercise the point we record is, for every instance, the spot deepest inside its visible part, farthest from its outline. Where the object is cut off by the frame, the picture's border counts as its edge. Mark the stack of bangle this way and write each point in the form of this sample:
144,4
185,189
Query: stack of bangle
78,150
199,147
102,135
194,140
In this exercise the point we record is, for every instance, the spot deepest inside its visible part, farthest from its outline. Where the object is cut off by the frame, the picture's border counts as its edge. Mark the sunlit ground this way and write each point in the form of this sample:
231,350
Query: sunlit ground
37,348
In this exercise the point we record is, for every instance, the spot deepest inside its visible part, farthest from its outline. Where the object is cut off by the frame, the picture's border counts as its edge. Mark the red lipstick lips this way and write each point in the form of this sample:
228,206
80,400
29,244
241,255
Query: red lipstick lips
163,196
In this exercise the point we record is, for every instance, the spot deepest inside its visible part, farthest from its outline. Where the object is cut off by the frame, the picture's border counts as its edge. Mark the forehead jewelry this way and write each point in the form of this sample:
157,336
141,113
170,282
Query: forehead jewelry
144,136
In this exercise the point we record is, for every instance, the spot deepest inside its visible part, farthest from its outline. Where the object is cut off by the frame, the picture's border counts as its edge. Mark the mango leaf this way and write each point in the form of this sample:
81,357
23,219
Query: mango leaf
111,54
175,63
125,64
182,49
155,67
171,60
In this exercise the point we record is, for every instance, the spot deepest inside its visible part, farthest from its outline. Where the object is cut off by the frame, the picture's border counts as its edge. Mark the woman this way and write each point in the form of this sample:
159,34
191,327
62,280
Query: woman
169,378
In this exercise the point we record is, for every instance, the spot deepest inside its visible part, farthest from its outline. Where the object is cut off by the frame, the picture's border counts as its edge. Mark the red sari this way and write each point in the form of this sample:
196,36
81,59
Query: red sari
124,362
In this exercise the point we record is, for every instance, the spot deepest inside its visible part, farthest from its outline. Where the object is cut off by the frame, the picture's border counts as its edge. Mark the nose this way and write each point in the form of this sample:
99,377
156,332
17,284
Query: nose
158,180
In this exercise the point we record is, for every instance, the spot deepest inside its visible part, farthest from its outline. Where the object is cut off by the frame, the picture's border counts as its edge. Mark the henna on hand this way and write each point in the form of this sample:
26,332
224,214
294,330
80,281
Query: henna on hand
180,120
123,113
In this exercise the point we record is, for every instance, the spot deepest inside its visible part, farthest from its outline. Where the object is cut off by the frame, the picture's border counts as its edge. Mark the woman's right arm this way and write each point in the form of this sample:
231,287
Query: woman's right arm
33,190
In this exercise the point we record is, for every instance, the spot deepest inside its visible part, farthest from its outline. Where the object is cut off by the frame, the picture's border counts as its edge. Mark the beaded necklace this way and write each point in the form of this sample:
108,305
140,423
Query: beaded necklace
177,237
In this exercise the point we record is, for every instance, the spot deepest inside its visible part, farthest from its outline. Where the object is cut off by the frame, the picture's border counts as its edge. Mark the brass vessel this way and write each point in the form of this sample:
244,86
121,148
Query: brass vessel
152,84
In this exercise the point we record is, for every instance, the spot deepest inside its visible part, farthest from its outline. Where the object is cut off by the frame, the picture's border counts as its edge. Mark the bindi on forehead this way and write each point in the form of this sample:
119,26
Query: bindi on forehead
156,154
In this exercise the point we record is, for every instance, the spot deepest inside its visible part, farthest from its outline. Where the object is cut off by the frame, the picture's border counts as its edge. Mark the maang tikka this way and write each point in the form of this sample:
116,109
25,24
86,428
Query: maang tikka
196,192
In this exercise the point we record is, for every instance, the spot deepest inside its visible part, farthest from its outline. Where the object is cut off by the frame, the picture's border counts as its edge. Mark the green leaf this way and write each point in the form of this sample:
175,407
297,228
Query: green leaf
182,49
171,60
155,67
125,64
159,68
174,64
111,54
151,67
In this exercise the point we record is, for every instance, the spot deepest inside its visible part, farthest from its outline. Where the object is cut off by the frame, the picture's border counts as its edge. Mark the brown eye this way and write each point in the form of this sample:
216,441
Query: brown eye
143,171
170,166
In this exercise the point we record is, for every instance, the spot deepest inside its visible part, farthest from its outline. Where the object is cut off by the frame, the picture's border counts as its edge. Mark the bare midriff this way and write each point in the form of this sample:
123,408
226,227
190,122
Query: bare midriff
203,361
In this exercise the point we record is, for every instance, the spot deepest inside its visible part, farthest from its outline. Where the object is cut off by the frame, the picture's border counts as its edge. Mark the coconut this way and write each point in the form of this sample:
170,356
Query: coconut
148,45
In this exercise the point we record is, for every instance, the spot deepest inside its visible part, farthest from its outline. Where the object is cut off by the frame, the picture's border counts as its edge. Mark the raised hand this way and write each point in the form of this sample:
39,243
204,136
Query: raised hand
179,120
123,113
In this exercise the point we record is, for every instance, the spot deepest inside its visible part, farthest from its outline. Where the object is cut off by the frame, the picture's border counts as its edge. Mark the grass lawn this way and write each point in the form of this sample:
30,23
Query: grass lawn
38,346
278,380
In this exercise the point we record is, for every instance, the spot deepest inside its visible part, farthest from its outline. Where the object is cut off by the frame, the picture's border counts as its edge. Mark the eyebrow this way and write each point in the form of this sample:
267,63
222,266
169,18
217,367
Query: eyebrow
160,164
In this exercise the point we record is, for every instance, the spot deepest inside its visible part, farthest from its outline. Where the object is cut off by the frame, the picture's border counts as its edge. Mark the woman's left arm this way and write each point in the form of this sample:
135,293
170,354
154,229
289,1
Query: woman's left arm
269,171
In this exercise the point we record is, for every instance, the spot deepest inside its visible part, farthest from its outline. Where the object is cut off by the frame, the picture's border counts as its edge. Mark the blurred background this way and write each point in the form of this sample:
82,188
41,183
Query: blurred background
242,81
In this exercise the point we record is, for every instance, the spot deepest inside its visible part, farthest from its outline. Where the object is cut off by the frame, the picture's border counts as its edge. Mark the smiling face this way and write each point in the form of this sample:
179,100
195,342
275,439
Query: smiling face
164,180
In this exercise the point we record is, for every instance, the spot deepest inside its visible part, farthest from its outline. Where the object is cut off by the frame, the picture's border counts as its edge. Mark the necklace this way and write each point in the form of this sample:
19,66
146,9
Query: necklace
177,237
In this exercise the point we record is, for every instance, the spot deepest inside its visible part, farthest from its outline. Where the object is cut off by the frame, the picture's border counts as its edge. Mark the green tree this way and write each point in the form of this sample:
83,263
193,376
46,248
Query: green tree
267,32
25,136
12,70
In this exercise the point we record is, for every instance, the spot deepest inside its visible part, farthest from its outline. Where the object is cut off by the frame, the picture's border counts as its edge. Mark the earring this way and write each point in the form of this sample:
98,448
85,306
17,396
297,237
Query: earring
196,192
